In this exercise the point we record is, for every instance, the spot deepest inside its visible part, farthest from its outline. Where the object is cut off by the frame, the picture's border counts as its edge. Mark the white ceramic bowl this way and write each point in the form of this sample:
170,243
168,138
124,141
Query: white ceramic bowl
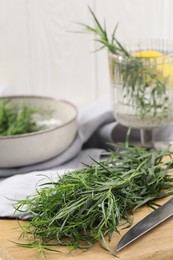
31,148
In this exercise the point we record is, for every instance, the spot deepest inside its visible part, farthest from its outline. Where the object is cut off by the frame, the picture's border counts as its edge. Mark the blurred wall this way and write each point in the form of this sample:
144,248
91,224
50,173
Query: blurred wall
41,54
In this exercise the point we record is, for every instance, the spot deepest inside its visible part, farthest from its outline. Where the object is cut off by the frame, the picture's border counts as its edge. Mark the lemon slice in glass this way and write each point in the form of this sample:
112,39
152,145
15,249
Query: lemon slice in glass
162,65
147,54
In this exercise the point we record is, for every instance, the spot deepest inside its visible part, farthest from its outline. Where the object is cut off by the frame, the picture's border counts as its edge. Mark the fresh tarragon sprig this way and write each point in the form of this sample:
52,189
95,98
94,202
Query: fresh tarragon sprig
113,45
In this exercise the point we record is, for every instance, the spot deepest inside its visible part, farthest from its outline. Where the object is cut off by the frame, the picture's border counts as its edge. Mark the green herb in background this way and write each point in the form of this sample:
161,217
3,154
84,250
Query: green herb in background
87,205
143,89
16,120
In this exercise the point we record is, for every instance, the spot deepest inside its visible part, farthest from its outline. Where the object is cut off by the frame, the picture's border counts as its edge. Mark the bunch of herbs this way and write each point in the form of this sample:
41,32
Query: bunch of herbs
89,204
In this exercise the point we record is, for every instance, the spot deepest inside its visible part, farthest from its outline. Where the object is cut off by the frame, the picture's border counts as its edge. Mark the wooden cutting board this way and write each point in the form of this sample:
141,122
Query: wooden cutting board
156,244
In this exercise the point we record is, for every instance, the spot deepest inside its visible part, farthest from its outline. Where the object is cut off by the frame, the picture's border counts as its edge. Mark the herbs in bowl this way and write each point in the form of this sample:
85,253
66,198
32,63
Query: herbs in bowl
34,129
16,120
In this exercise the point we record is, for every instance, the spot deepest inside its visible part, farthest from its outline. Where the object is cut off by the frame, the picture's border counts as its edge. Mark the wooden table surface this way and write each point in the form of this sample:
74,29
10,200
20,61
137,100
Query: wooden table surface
156,244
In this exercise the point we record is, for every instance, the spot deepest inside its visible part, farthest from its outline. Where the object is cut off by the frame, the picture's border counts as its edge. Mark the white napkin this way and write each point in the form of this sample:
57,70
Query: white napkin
18,187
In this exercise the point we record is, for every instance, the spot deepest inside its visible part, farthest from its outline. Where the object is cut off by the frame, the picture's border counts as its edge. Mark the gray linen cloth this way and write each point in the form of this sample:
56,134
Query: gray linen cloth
96,128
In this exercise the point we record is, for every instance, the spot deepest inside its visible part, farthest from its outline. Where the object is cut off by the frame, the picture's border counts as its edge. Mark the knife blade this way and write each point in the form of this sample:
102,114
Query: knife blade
149,222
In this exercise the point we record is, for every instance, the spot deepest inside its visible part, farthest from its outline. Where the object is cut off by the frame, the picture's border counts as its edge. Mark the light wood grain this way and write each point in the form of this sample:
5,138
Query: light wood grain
41,54
156,244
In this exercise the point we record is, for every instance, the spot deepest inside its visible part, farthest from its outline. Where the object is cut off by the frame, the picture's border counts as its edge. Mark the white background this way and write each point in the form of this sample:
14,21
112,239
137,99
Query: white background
40,54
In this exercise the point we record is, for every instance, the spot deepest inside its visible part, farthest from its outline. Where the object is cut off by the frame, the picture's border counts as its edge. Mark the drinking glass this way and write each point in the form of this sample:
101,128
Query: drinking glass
142,86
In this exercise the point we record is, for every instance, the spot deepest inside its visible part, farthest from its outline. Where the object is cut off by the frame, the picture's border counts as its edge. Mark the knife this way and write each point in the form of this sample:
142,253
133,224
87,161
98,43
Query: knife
152,220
